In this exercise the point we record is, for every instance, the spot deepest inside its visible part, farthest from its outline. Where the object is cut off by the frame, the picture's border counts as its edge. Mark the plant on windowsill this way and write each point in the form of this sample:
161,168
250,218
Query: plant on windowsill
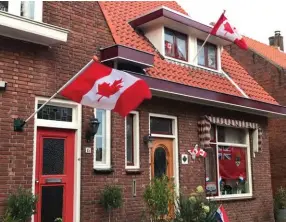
159,199
195,208
21,206
58,220
280,204
111,198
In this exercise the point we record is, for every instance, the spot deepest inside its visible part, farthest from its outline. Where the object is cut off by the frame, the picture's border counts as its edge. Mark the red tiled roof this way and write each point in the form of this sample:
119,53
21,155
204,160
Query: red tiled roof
269,52
118,14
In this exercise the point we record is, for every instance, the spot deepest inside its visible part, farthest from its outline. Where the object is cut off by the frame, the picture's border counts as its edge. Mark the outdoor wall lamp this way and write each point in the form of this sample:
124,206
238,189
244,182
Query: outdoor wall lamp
92,129
3,85
148,141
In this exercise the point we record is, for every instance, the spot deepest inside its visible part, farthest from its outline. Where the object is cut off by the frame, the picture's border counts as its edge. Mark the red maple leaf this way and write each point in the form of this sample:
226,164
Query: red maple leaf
107,89
228,28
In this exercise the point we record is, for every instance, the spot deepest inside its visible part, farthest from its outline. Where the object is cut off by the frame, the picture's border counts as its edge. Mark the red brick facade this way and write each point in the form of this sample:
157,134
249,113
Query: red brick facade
33,70
273,80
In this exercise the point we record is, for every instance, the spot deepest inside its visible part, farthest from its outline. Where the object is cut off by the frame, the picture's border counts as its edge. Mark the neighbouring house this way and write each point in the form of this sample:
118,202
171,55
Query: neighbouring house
267,65
211,101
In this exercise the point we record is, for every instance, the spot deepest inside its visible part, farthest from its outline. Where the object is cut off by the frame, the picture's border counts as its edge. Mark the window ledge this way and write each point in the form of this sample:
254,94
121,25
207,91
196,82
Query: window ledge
134,171
187,64
103,170
21,28
230,198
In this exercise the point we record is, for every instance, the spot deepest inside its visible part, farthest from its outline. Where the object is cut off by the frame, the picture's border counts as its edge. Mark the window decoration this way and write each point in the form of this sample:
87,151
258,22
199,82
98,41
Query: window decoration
205,131
132,140
228,164
208,55
176,44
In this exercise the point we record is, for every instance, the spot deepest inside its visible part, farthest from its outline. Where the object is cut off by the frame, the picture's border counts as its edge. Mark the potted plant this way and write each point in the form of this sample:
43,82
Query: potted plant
159,198
280,204
21,206
195,208
111,198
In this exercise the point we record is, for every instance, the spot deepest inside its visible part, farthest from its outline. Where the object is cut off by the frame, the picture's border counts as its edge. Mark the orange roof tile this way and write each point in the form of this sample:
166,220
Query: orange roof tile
118,14
269,52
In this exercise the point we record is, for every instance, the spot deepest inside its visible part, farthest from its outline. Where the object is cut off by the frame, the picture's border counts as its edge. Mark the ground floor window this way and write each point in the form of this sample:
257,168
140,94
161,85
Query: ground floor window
228,167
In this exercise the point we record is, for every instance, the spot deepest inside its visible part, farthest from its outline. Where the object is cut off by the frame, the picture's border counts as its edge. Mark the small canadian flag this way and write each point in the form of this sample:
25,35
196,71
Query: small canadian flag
224,29
102,87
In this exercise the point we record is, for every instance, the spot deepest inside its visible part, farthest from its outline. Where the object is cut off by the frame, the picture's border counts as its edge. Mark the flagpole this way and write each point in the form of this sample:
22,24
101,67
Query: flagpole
201,47
59,90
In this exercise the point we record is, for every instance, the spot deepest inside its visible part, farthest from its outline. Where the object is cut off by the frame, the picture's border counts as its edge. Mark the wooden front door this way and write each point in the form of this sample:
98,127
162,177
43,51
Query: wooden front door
55,174
162,158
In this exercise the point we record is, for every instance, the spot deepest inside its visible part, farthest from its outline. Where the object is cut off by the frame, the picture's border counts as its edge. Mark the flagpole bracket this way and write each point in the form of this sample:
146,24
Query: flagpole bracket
19,125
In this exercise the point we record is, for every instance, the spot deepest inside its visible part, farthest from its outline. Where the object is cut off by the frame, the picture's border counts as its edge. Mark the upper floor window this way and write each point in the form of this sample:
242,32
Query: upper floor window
27,9
176,45
208,55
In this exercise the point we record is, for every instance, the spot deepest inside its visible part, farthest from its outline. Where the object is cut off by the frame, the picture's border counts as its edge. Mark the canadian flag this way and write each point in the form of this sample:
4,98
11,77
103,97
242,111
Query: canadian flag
102,87
224,29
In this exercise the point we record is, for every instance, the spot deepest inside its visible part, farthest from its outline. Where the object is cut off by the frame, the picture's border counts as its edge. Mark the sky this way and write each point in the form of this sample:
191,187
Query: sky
256,19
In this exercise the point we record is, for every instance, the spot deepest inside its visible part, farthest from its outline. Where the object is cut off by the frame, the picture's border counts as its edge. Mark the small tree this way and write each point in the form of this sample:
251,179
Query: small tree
111,198
21,206
159,196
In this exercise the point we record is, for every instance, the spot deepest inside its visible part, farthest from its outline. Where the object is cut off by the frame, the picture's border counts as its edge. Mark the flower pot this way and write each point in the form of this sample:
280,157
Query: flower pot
281,215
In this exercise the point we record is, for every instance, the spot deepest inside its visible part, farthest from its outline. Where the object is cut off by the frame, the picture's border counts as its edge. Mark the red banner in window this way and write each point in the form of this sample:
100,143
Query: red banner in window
168,48
232,162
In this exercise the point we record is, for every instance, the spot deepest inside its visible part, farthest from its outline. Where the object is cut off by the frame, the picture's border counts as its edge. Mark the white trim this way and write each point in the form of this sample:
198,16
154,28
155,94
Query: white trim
136,133
25,29
76,125
247,195
218,102
107,143
130,60
175,147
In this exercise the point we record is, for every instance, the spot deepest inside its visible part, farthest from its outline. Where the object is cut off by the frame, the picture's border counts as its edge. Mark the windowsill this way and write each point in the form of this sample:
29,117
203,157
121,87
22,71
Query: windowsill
103,170
193,65
25,29
231,197
133,171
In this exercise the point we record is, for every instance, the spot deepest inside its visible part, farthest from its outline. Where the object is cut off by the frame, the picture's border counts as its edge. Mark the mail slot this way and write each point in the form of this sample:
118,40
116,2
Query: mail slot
53,180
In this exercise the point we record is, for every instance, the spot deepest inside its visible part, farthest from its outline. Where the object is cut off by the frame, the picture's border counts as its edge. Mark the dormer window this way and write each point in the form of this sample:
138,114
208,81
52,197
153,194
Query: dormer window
208,55
176,45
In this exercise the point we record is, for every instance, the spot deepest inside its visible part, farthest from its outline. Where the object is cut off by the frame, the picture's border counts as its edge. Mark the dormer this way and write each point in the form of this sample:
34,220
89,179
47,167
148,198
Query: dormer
178,38
22,20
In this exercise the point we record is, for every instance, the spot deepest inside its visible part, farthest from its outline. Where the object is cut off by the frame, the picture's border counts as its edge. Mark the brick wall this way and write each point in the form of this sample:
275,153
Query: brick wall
32,70
257,209
273,80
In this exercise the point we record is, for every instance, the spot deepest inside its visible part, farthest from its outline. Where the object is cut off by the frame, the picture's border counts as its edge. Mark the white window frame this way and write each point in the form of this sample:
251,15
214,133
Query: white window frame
249,173
107,142
136,142
192,52
174,136
14,7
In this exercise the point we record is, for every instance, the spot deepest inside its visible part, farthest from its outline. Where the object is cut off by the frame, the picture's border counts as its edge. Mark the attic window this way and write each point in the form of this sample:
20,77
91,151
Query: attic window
208,55
176,45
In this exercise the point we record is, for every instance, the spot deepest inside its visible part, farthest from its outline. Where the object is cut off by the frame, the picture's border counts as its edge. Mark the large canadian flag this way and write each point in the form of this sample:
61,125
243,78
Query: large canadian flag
102,87
224,29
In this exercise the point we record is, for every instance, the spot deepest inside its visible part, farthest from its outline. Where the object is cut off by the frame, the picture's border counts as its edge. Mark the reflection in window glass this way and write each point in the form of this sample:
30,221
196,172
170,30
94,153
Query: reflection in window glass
130,139
208,55
100,136
4,6
28,9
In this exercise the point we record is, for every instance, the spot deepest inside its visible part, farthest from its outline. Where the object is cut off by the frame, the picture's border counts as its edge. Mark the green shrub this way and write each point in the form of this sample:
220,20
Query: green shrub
111,198
158,196
21,206
280,198
195,208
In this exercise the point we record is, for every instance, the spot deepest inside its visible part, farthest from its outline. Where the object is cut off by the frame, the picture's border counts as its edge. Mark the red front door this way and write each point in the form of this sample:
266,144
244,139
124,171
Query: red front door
55,175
